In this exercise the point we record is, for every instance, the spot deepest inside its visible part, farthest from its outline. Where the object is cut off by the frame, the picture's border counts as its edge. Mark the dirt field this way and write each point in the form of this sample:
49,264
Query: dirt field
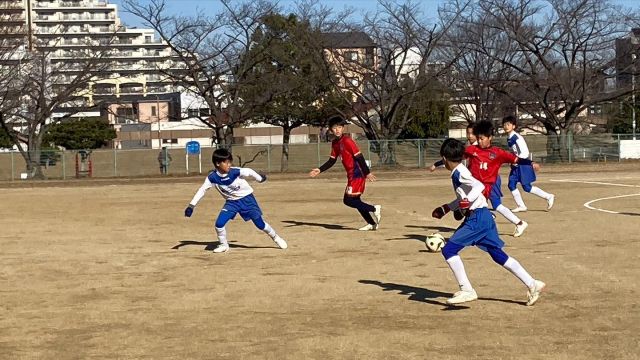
115,271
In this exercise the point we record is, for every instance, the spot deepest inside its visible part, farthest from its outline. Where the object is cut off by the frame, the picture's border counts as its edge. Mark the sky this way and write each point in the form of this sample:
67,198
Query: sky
191,7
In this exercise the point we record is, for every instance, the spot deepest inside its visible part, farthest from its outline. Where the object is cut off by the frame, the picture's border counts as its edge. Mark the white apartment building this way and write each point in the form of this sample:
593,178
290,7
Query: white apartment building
62,27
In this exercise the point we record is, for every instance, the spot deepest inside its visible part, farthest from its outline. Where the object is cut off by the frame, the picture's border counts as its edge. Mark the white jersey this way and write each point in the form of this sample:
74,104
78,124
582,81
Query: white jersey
467,187
517,145
232,185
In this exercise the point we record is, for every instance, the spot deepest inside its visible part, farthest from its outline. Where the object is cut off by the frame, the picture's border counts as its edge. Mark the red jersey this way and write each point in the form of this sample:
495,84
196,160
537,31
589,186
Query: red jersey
347,149
484,164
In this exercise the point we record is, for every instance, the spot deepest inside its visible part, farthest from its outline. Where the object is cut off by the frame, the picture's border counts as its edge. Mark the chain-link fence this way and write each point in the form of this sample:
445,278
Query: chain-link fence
302,157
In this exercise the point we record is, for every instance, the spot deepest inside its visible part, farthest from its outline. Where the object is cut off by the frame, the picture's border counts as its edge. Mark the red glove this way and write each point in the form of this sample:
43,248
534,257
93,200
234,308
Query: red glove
441,211
464,204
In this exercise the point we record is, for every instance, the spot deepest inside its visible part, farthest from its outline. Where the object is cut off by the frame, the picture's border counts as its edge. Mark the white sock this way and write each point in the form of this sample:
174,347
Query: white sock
269,230
456,265
504,211
222,236
539,192
516,269
518,198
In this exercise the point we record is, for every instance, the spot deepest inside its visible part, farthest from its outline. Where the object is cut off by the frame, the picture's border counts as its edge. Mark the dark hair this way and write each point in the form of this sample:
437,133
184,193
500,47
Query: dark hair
452,150
471,125
483,128
220,155
336,120
510,119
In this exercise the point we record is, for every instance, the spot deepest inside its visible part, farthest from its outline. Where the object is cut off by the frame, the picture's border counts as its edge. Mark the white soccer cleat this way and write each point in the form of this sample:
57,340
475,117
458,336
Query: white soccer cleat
519,209
550,202
280,242
534,293
520,229
368,227
221,248
462,297
378,214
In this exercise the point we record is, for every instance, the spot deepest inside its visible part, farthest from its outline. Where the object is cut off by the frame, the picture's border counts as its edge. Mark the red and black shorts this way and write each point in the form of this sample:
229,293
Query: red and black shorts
355,186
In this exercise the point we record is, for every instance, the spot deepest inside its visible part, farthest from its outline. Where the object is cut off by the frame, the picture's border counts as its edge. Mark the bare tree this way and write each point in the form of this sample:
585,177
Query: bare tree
38,86
564,56
382,89
478,81
210,48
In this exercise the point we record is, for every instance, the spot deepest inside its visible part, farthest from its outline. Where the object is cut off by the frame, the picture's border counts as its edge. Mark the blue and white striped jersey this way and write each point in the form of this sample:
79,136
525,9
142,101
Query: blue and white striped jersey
517,145
232,186
467,187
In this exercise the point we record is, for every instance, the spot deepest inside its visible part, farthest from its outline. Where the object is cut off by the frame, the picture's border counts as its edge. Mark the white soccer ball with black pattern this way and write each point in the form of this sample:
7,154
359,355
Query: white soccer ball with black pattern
434,242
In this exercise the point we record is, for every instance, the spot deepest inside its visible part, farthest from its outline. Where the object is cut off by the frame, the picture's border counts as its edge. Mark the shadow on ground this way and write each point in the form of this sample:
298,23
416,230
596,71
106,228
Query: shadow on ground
208,245
326,226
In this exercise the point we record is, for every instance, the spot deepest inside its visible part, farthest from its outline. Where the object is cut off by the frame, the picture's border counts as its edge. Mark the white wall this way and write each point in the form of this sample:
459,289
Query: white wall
629,149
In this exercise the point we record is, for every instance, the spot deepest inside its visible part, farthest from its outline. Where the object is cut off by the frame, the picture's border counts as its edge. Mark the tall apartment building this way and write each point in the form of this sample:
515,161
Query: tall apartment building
627,55
61,27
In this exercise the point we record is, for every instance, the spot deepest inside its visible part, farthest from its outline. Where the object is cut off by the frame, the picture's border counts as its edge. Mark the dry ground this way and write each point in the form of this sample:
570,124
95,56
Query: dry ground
114,270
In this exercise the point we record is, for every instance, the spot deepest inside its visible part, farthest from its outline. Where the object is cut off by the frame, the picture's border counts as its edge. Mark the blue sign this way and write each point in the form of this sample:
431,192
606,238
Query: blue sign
193,148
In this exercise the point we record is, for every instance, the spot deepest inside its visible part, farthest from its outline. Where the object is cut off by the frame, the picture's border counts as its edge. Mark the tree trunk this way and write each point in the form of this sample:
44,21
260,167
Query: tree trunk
564,144
32,160
286,135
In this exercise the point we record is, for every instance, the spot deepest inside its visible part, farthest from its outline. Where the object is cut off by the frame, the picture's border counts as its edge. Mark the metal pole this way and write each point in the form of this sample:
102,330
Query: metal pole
64,167
115,162
633,95
13,167
419,154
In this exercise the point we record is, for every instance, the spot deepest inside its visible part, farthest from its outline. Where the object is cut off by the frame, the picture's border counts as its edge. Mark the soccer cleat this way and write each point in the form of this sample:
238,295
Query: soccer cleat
534,293
368,227
280,242
519,209
221,248
550,201
378,214
520,229
462,297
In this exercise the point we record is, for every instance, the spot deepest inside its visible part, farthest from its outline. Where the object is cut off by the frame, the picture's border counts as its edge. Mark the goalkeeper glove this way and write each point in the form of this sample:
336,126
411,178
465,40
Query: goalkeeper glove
441,211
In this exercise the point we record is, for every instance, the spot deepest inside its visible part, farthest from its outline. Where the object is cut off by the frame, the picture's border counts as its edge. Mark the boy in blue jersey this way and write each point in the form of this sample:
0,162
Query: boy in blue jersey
523,172
477,229
231,184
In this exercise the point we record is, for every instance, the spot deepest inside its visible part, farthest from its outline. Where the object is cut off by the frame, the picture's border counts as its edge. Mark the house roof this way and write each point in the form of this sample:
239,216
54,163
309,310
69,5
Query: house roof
346,40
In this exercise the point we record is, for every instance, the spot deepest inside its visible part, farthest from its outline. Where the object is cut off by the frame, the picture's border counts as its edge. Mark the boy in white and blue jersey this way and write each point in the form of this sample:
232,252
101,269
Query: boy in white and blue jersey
523,172
477,229
231,184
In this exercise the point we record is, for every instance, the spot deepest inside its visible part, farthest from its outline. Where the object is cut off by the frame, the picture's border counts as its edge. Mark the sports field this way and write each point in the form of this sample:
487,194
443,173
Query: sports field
111,269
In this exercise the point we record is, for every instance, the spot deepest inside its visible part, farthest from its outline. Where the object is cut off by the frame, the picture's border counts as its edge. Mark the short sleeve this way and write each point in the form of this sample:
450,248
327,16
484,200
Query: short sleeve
351,146
506,157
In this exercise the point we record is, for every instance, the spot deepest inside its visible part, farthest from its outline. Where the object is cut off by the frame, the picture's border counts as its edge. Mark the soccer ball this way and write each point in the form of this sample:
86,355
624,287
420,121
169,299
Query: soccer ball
434,242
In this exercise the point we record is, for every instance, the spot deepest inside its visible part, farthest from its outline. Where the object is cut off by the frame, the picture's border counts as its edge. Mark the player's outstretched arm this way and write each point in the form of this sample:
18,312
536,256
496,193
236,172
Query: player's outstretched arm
437,164
247,172
324,167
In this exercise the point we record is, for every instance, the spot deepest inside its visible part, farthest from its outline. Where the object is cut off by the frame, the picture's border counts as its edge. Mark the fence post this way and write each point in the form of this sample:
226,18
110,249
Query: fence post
570,144
64,167
369,151
318,151
13,167
269,155
115,162
419,154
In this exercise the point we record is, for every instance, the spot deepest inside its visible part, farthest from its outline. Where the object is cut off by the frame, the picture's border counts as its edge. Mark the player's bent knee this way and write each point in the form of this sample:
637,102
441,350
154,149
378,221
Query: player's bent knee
450,250
259,223
527,187
498,255
350,201
512,186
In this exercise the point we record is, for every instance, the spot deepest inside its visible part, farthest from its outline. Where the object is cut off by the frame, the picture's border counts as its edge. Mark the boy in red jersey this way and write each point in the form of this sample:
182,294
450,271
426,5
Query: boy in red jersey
484,162
357,173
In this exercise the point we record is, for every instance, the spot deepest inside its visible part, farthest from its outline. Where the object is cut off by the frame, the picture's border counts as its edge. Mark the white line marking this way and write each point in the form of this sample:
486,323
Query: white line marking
596,182
588,204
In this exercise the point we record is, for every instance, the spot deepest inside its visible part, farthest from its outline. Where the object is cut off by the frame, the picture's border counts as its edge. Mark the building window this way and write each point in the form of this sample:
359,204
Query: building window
169,141
351,56
153,111
205,112
193,112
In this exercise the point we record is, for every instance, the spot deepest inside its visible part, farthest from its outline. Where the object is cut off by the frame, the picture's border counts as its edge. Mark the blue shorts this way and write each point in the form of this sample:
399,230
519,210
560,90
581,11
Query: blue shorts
247,207
479,229
523,174
495,196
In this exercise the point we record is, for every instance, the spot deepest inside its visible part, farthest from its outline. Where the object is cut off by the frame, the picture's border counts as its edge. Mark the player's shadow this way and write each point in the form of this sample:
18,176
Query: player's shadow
326,226
629,214
208,245
435,228
417,237
417,294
